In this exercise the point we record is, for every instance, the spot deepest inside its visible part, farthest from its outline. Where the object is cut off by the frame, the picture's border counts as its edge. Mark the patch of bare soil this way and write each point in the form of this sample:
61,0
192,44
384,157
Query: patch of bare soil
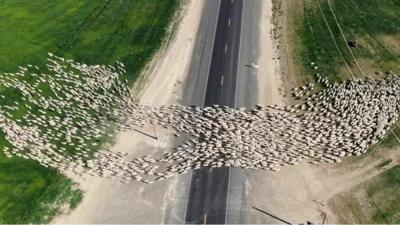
352,204
391,42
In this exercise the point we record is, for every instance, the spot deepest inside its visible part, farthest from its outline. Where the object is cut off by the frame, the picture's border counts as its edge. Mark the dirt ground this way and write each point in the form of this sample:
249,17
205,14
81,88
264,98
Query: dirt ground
298,193
270,79
109,201
354,205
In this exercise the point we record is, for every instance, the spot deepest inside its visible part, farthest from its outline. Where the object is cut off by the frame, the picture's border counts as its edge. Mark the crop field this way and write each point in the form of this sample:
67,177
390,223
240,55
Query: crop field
93,32
369,202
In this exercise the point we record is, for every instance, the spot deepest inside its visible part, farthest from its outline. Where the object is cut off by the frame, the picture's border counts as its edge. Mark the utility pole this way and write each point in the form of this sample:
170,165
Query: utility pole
323,221
154,127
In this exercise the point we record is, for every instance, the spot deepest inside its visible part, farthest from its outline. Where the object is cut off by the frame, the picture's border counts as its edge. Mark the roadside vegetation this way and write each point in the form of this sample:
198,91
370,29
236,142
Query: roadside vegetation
31,193
372,202
92,32
323,30
374,24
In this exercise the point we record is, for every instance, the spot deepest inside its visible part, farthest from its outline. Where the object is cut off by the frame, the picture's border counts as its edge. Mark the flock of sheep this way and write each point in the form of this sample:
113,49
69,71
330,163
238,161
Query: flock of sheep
69,109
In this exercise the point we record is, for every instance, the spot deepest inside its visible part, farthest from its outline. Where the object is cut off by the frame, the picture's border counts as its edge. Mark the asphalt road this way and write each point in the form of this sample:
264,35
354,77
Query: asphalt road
209,189
246,96
199,205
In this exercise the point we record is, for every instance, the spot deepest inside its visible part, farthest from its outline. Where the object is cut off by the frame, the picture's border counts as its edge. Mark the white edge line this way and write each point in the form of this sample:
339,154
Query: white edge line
238,66
204,97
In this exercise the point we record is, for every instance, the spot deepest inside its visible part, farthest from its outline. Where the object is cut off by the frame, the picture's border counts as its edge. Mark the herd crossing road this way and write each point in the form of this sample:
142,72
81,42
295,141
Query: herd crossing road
208,195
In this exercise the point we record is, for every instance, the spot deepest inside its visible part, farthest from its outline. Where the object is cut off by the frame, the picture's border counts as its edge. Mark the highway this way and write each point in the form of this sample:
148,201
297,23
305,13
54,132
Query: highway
209,188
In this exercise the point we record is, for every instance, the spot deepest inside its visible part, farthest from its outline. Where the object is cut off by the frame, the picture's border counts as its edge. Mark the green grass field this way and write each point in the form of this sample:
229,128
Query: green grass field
93,32
96,32
374,24
388,184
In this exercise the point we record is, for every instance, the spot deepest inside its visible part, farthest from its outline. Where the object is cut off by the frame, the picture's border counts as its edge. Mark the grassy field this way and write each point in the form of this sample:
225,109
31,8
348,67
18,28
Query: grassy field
93,32
371,204
392,140
374,24
319,38
97,32
322,31
31,193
